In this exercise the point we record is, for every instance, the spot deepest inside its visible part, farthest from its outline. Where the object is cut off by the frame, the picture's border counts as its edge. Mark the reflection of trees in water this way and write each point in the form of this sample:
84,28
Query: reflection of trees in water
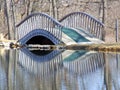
86,71
47,74
112,72
7,68
3,69
57,74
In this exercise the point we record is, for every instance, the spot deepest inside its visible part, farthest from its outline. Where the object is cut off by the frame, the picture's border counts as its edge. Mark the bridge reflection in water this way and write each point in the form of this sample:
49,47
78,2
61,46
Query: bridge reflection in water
58,70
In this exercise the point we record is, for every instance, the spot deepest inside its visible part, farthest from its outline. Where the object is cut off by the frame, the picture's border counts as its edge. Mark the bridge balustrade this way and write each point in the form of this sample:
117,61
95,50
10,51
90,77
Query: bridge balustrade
38,21
81,20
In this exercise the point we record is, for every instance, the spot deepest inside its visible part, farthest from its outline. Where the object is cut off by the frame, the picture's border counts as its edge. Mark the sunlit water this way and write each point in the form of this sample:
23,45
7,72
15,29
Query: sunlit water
59,70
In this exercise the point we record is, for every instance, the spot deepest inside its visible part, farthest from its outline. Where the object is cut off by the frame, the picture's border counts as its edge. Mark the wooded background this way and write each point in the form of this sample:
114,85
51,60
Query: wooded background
13,11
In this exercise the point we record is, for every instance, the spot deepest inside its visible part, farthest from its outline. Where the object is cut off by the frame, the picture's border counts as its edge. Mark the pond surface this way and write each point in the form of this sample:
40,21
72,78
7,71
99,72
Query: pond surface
25,69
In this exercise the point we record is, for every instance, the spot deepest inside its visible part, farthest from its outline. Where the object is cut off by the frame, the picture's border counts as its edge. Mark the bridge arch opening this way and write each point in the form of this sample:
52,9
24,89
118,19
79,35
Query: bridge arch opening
42,40
39,36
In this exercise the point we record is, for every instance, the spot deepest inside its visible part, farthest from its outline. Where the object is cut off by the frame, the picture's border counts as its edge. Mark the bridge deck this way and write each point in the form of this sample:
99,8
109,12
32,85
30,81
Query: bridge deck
79,36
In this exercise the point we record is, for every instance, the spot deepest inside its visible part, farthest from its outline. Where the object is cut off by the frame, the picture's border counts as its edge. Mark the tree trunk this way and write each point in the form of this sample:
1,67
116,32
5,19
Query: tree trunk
53,9
10,18
104,2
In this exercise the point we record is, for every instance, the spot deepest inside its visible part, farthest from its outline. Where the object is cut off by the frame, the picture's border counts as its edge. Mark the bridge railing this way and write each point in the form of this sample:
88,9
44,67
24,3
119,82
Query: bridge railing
39,21
81,20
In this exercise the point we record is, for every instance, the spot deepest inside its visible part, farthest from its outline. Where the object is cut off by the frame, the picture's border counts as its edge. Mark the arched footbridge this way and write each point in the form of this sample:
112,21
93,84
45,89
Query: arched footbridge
74,28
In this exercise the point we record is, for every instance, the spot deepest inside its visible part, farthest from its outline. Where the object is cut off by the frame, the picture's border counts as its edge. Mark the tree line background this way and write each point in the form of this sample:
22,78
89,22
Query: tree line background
13,11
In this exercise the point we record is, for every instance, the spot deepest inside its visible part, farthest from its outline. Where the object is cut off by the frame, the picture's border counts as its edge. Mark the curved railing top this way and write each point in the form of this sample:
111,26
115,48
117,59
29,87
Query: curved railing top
73,13
85,22
39,21
38,14
42,21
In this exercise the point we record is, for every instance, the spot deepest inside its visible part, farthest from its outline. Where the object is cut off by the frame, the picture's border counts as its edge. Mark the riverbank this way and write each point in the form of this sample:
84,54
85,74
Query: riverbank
106,47
103,47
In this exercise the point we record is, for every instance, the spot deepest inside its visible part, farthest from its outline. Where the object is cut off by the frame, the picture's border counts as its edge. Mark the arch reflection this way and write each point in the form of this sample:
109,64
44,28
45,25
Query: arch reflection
69,69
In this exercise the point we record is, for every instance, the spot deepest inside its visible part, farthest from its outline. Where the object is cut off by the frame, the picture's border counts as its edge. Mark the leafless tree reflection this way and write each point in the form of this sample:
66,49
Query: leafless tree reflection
68,70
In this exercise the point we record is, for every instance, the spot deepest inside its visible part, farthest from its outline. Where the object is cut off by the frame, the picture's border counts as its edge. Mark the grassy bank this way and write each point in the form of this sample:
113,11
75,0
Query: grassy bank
115,47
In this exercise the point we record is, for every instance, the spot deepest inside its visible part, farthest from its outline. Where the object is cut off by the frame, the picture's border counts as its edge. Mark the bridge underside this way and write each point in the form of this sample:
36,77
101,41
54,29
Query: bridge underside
42,40
39,36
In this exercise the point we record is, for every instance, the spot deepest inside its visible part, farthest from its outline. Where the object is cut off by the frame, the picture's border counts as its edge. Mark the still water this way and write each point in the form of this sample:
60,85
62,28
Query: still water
25,69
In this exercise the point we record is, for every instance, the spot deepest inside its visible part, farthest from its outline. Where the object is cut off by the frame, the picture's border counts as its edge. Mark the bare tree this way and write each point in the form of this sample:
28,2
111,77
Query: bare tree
104,2
53,9
9,14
